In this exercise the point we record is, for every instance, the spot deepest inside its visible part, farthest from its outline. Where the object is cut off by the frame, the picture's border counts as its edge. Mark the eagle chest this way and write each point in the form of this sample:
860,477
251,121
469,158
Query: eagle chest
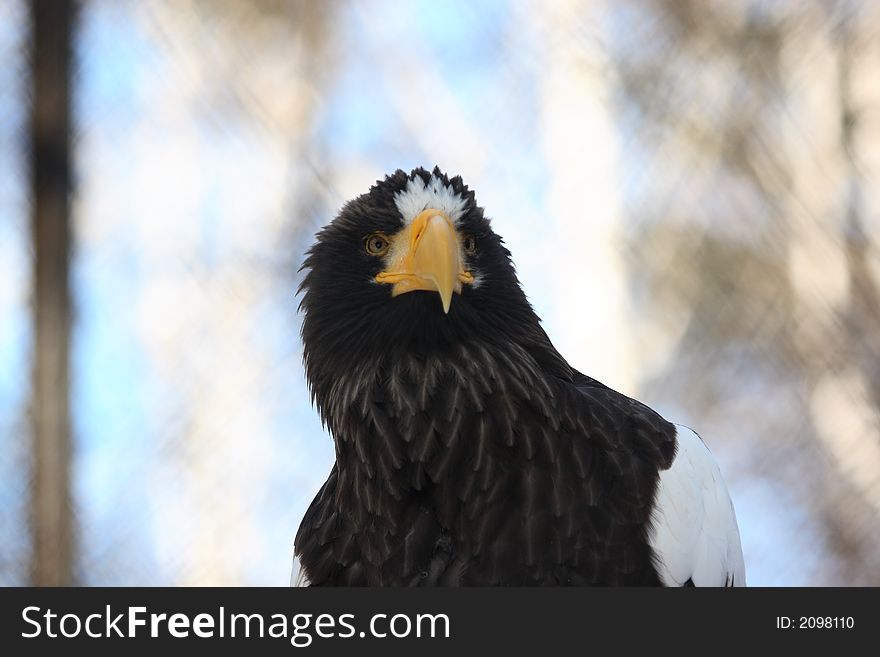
460,474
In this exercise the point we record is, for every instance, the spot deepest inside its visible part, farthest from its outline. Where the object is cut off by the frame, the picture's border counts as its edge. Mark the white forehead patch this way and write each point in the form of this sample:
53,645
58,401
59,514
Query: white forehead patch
418,196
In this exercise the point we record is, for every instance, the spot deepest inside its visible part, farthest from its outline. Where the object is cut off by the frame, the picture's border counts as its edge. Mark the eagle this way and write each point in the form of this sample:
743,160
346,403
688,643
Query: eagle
469,452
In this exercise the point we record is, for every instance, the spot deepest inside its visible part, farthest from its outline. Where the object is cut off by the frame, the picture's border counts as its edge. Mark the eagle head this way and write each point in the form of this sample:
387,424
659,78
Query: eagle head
412,267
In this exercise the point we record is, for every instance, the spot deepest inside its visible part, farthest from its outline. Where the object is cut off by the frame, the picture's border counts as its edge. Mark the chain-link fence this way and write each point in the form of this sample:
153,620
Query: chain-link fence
689,190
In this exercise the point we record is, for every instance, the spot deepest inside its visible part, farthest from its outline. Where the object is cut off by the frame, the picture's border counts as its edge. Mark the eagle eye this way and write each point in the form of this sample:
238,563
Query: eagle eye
376,244
469,244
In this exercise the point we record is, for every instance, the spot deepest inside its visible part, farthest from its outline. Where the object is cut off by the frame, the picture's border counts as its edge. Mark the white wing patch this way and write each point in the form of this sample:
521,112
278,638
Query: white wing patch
694,535
418,196
297,574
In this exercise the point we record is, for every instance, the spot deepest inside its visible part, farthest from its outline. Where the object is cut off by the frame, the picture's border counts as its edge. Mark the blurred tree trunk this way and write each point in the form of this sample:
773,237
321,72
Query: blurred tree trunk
51,25
864,306
274,59
582,159
858,457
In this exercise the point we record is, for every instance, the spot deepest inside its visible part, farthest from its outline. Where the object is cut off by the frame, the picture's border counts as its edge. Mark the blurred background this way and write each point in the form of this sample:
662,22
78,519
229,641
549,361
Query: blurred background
689,190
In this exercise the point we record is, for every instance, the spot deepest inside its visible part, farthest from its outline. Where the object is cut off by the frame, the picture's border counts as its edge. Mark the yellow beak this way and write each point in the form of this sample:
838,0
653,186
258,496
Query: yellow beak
426,255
